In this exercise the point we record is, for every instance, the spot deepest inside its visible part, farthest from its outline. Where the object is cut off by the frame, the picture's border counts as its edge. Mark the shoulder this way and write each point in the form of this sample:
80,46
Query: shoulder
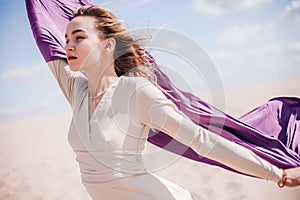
133,81
140,91
138,86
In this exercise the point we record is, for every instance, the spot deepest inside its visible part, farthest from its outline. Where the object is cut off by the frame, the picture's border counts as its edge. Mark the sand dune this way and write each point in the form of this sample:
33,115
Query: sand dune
38,164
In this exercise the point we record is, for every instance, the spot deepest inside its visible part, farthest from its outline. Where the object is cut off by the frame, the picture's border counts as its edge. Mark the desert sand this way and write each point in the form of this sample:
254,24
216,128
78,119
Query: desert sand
37,162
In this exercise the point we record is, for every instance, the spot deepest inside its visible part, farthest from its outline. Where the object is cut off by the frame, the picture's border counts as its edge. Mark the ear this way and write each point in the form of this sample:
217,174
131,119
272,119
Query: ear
110,44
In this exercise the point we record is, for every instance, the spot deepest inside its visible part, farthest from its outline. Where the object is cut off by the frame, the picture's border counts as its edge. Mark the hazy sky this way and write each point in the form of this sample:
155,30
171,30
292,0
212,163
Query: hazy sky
250,42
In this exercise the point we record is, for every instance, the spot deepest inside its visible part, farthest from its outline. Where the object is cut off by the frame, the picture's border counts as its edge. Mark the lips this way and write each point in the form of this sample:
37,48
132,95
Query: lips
72,58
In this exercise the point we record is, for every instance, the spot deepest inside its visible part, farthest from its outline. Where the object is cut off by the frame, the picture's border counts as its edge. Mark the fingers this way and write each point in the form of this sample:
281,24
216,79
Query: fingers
292,182
293,177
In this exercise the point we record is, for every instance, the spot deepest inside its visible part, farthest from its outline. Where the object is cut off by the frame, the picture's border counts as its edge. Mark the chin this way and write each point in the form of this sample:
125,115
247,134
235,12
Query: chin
74,67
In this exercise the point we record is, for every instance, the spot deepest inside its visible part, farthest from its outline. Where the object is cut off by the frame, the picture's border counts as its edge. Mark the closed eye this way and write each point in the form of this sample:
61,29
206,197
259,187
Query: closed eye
79,38
74,33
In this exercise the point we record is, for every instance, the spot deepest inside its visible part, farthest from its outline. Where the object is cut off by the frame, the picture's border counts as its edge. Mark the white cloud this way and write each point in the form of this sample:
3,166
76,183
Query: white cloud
245,34
29,91
208,8
220,54
46,102
294,46
292,9
293,49
221,7
31,75
265,62
265,52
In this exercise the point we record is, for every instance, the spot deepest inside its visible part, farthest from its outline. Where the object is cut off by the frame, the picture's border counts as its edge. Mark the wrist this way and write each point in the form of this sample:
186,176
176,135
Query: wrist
281,183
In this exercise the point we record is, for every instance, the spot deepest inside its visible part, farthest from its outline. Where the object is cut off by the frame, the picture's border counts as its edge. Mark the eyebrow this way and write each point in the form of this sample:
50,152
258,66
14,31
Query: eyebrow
75,31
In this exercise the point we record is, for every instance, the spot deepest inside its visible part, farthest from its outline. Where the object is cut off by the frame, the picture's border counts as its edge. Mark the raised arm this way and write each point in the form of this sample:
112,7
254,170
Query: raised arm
150,107
48,20
71,83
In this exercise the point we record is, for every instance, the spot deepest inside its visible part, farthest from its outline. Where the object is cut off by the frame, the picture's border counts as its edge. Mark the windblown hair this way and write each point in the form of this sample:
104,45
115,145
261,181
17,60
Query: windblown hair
130,58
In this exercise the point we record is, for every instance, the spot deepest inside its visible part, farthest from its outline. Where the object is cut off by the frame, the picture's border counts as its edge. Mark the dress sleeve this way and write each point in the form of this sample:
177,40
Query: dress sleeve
71,83
150,107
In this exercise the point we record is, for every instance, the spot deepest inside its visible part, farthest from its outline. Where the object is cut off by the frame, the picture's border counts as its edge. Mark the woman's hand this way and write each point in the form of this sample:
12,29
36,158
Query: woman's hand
293,177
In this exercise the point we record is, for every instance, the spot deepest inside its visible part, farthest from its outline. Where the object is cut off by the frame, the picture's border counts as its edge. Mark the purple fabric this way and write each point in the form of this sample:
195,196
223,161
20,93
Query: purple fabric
48,20
271,130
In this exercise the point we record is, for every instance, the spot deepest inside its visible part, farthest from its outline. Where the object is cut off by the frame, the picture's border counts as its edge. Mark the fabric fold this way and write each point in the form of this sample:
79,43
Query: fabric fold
271,131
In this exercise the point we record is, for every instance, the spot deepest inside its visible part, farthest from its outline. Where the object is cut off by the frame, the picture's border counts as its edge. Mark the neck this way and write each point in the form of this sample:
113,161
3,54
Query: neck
99,82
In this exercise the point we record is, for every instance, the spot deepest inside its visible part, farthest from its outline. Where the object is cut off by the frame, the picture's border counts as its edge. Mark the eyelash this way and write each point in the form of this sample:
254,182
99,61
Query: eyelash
76,38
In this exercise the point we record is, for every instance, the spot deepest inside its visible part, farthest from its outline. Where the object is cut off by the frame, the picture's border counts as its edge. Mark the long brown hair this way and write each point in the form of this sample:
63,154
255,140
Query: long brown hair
130,58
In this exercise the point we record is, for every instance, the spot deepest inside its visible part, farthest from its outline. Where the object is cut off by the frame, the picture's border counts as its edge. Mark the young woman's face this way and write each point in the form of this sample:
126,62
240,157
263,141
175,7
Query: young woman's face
83,45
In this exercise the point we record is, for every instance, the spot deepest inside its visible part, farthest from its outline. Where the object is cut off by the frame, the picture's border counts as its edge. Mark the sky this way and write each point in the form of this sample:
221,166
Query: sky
244,42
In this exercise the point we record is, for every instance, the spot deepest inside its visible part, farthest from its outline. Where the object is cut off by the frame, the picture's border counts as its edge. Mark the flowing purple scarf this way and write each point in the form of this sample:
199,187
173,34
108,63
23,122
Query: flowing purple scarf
272,130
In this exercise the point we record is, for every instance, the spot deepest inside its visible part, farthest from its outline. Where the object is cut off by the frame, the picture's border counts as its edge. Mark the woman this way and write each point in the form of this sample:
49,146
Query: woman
115,103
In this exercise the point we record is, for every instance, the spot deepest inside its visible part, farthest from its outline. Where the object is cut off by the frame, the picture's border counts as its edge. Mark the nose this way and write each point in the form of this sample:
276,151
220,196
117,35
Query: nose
69,47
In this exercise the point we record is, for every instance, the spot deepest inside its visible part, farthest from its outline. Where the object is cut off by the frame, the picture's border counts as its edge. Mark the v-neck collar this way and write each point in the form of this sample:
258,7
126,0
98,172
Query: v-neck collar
105,96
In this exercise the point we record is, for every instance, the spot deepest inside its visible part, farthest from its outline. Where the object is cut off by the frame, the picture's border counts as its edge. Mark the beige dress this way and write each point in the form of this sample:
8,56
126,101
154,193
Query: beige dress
110,146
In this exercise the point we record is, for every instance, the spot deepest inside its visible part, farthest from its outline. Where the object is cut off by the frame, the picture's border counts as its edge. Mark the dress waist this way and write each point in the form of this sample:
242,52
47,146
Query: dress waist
104,166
